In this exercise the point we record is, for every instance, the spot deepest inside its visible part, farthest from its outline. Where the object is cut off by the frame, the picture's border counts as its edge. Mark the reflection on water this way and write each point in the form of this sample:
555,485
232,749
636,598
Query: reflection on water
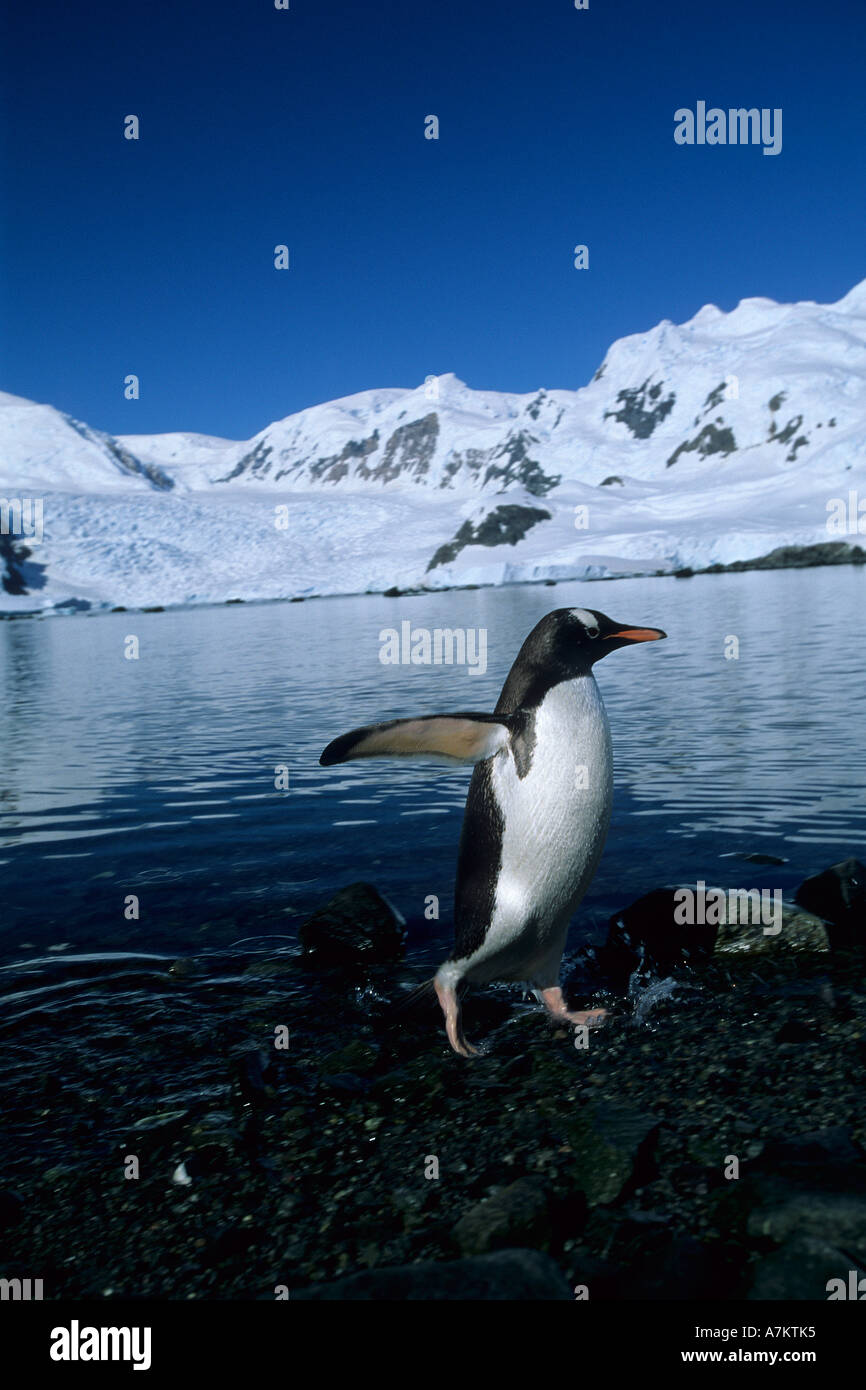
155,777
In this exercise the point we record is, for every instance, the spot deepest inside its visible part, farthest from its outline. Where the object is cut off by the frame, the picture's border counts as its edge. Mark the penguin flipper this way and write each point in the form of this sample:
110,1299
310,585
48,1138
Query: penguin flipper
452,738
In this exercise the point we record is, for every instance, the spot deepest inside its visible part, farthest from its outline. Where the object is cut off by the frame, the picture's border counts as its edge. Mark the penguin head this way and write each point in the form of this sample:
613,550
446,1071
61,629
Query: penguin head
596,634
569,641
565,644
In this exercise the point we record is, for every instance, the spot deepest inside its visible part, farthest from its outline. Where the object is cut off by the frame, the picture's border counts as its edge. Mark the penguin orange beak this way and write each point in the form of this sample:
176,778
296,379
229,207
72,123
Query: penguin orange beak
638,634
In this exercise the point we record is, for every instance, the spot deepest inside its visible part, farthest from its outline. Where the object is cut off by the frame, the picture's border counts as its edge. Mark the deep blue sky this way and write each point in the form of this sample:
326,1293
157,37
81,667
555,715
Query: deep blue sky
408,256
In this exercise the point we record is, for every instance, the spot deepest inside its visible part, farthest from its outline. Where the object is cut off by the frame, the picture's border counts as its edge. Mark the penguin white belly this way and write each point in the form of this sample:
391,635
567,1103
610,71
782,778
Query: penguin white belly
555,821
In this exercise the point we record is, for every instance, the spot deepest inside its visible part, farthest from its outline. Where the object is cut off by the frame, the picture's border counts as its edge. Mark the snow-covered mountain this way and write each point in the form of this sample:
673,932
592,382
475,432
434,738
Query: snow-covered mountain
705,443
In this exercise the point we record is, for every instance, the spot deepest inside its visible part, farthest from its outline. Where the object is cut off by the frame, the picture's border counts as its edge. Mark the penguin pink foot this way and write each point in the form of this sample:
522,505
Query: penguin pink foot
450,1005
556,1007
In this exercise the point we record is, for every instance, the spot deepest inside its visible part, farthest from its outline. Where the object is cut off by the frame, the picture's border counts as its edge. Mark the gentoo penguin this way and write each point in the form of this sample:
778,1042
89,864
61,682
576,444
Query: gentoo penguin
537,812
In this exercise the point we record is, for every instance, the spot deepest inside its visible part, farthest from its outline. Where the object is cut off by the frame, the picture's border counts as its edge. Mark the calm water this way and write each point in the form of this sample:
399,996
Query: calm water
156,777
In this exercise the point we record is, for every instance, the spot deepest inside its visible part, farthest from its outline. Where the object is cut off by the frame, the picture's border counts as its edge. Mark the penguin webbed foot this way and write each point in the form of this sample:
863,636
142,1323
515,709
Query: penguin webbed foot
555,1004
447,996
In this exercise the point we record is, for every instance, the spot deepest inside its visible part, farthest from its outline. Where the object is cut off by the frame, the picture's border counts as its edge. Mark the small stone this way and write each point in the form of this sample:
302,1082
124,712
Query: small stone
761,859
182,968
162,1125
515,1215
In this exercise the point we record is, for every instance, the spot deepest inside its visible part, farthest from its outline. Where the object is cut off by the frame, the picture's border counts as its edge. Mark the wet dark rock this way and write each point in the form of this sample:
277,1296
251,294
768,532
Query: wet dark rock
839,896
346,1083
212,1121
505,1275
11,1208
647,931
182,968
799,931
799,1269
647,934
356,927
213,1142
612,1148
282,964
251,1077
761,859
231,1241
793,1031
357,1056
514,1215
838,1217
157,1130
831,1145
260,1074
325,1145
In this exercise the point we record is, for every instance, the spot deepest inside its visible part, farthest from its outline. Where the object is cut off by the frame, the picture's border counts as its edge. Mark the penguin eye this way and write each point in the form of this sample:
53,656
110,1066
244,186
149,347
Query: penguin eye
591,631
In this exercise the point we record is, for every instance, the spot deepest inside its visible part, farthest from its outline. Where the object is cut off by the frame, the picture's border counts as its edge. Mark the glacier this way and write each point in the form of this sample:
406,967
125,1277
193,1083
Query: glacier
706,443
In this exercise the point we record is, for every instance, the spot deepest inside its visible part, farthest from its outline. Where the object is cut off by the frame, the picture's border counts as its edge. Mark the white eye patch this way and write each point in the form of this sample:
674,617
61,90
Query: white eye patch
588,619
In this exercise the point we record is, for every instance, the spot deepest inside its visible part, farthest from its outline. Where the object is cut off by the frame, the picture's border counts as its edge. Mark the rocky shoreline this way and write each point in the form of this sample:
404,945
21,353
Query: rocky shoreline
783,557
294,1133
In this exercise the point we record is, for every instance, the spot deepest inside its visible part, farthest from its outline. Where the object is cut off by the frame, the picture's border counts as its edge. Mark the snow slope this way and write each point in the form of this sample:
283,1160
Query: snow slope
711,441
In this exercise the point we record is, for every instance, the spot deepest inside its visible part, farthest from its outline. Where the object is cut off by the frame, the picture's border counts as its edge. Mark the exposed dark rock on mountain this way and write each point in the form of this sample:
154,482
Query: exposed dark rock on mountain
125,460
641,408
713,439
336,467
504,525
407,453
